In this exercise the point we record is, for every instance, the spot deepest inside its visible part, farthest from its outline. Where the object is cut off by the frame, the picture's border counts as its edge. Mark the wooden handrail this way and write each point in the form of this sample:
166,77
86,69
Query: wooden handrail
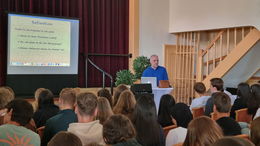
216,60
212,42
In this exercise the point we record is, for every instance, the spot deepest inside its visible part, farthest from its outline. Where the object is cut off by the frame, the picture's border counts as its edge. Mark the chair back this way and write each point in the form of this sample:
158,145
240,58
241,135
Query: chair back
244,136
197,112
167,129
40,131
31,125
243,116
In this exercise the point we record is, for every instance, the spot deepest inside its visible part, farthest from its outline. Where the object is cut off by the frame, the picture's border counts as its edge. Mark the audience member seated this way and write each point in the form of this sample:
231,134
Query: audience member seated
202,131
119,89
104,110
19,113
46,108
254,102
149,131
200,101
36,97
164,114
216,85
255,131
87,129
222,106
105,93
10,90
125,104
181,116
243,94
61,121
64,138
118,130
232,141
5,97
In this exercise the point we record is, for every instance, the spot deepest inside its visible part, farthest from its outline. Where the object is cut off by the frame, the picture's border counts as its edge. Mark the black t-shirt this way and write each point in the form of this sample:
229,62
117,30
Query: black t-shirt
229,126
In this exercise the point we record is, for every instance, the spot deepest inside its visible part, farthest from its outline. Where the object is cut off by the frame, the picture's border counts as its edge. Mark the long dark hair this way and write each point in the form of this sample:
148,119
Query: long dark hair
164,115
182,114
244,92
145,121
254,102
45,98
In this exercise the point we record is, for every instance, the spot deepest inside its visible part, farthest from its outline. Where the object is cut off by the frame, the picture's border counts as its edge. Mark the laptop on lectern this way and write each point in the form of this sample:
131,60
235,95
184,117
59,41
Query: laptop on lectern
149,80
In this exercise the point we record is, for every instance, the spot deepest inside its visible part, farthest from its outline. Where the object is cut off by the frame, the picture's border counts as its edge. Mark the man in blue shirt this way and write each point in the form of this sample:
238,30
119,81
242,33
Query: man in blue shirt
155,70
61,121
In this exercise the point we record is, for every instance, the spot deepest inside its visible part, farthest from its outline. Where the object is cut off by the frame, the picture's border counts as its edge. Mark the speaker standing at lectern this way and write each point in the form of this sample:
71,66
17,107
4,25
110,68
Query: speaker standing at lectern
155,70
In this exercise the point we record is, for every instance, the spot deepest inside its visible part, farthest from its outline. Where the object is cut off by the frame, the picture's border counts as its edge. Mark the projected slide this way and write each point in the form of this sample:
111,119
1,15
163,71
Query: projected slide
37,41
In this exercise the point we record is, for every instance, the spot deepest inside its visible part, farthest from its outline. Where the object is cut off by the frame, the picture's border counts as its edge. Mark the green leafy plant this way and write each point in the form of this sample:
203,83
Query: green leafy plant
139,65
124,77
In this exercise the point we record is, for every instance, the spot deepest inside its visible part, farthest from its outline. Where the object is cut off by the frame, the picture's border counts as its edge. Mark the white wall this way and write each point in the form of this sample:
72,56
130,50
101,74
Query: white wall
154,27
193,15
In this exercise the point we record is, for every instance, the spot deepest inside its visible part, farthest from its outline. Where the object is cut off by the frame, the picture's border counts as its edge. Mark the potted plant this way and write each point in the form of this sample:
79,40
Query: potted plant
124,77
139,65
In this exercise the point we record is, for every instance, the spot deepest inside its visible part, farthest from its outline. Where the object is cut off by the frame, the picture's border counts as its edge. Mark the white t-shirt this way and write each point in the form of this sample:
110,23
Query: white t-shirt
232,97
175,136
199,102
257,113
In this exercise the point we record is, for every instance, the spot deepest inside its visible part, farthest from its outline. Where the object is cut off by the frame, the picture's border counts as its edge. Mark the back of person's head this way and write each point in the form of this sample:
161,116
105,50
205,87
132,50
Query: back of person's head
65,138
105,93
254,102
125,104
118,128
199,87
256,89
222,102
5,97
119,89
232,141
68,96
104,110
11,90
182,114
45,98
86,104
244,92
145,117
217,83
37,93
22,111
36,97
255,131
202,131
166,104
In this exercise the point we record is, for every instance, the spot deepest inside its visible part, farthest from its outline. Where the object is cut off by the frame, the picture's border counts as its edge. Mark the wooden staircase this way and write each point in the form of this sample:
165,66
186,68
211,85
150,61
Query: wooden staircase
233,57
202,55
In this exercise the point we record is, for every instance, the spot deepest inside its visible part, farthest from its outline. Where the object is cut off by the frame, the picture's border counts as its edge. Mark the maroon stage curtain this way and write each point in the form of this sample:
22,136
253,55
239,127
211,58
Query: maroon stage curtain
103,29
